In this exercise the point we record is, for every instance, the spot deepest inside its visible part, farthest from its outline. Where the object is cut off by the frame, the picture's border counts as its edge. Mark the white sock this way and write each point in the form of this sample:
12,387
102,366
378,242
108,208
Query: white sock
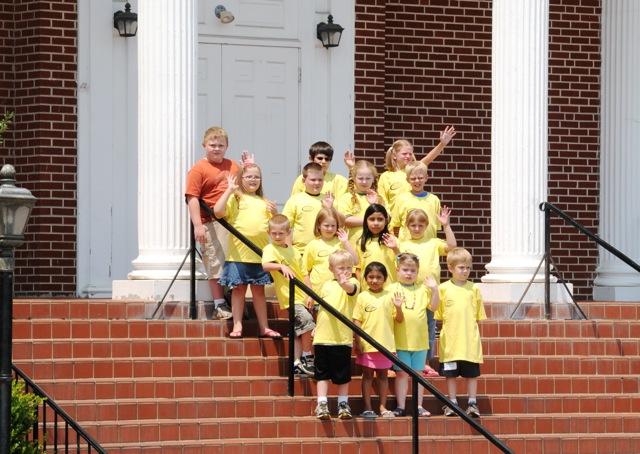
343,399
218,301
306,354
322,399
472,401
455,401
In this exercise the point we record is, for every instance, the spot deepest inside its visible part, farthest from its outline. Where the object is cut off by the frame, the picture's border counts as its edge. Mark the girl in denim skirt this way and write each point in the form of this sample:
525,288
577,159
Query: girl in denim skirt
244,207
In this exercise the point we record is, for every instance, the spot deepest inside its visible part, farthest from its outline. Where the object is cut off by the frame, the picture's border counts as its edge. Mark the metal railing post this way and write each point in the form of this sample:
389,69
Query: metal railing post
414,421
193,310
292,334
547,263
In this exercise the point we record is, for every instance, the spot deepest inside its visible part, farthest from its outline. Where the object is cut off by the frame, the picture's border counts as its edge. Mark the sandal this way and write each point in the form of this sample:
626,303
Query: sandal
423,412
236,334
399,412
387,414
271,334
369,414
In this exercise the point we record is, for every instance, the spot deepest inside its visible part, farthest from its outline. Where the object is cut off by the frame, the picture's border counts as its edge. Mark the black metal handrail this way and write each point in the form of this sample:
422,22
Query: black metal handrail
416,378
82,438
548,208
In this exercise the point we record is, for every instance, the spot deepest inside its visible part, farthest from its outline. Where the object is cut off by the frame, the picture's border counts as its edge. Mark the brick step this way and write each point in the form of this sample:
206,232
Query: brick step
263,366
610,310
167,429
274,387
597,443
541,329
213,347
629,310
139,329
150,347
104,329
264,406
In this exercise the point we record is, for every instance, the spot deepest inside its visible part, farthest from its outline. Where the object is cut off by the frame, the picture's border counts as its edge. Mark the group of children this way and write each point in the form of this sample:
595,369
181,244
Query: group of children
368,246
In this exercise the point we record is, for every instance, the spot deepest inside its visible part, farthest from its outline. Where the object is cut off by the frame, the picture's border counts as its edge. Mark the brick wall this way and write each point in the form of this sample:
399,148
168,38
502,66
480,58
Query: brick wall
574,128
43,143
437,71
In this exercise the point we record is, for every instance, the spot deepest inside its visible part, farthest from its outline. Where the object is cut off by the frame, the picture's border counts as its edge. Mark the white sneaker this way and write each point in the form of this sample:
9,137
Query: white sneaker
223,311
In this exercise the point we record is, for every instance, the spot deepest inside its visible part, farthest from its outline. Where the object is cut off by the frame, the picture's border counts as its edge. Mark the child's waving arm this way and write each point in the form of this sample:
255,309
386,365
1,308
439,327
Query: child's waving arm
220,208
443,217
432,285
398,299
343,236
445,137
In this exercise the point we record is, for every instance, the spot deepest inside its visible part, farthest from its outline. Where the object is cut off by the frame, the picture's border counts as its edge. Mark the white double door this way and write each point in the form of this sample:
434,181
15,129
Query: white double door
253,92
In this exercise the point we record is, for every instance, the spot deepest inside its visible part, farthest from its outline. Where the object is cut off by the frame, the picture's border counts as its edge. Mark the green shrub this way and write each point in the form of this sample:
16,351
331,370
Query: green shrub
5,121
23,416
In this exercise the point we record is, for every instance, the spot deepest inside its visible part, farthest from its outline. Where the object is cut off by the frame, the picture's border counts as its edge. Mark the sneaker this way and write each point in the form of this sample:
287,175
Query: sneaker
448,411
322,411
298,369
344,411
473,411
223,311
307,365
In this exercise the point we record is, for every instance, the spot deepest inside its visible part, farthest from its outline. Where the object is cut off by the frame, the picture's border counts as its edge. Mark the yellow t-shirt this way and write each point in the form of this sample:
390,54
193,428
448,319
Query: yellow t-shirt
428,251
376,313
345,205
408,201
376,252
315,260
301,210
412,334
391,184
460,309
334,183
287,256
329,330
249,214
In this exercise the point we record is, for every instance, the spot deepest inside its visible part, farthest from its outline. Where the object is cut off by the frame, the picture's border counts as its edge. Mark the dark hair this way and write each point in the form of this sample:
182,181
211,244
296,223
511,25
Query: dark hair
366,233
375,266
320,148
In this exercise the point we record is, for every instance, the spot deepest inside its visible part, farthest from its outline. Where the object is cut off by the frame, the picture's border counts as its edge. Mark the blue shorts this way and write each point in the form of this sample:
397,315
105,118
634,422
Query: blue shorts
240,273
415,360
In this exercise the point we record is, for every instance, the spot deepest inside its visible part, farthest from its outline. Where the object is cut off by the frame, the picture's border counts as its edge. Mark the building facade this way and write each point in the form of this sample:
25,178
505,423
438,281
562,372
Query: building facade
541,92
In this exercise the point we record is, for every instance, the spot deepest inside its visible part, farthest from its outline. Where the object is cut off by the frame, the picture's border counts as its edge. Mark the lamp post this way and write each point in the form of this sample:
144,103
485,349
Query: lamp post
15,207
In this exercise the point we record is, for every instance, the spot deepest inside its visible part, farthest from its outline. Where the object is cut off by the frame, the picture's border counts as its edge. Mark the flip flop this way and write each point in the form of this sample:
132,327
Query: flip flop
235,334
269,333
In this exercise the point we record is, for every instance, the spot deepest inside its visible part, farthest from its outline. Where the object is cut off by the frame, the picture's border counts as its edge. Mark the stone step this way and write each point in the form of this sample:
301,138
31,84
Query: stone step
275,387
77,368
212,347
167,429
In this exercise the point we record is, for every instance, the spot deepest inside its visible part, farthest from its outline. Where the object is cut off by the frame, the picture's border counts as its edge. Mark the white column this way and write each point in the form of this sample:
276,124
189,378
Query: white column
518,138
166,119
518,146
620,150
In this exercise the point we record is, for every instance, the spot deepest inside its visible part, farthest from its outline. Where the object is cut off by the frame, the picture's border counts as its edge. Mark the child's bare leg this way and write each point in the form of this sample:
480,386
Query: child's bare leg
217,292
383,388
451,388
343,390
322,388
297,348
401,386
260,307
367,382
237,306
472,388
306,341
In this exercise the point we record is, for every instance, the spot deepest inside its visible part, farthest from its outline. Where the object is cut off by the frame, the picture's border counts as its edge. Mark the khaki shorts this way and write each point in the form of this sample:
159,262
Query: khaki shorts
215,248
